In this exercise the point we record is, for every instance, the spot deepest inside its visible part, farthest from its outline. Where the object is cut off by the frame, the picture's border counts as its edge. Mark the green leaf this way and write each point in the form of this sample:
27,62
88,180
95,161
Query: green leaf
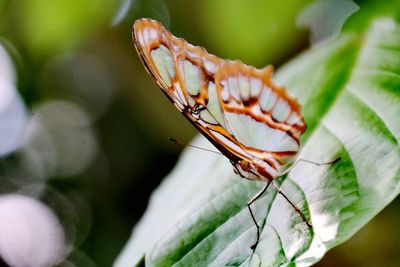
350,93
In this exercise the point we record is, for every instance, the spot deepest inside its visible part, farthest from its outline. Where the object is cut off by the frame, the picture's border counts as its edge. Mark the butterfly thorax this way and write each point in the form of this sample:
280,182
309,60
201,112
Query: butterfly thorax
255,170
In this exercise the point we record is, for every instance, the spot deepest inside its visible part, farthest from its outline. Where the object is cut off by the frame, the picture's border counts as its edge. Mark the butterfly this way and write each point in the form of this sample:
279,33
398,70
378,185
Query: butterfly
250,119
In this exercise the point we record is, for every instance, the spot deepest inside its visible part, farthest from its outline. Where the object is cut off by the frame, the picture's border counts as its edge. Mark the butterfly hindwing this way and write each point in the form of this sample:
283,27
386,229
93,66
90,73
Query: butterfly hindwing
259,113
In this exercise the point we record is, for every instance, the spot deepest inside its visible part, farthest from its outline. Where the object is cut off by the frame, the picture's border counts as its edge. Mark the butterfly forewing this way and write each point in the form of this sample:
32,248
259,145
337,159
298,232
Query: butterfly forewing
237,107
190,85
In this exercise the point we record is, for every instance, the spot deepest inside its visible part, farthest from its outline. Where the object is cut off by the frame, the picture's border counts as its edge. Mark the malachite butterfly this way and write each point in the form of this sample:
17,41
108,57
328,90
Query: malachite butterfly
238,108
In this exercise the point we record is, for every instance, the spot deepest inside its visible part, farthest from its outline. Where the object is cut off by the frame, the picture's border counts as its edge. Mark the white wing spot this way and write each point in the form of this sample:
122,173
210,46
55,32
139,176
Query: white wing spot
141,40
209,66
255,87
192,55
281,110
146,35
267,99
164,63
225,92
244,87
233,87
294,119
192,77
153,34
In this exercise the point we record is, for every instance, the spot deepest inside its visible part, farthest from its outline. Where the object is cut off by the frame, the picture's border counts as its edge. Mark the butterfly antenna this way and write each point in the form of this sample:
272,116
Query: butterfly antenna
321,163
186,144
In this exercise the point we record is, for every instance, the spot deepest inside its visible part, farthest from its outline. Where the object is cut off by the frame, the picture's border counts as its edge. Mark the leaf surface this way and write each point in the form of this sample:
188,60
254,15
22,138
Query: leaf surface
350,93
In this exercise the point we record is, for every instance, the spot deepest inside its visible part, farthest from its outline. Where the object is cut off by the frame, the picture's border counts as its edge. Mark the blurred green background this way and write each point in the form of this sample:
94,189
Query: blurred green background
95,126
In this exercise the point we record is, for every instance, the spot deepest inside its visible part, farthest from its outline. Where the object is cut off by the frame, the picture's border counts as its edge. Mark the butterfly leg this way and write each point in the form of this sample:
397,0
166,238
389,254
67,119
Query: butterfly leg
251,201
311,162
278,189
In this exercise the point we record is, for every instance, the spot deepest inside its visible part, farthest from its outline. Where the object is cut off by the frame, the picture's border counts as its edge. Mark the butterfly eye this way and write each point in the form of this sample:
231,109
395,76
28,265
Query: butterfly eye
245,165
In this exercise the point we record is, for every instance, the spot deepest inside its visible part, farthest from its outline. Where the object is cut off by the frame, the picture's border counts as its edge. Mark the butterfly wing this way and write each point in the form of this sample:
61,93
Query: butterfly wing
237,107
185,74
